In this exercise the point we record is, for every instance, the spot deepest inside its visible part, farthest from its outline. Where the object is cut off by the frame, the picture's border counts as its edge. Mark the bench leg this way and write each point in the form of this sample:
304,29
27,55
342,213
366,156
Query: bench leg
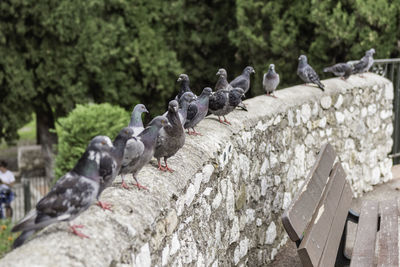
342,259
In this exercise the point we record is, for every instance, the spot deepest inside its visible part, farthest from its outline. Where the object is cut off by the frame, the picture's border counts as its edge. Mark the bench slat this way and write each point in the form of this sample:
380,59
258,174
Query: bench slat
364,245
331,248
296,218
388,250
315,238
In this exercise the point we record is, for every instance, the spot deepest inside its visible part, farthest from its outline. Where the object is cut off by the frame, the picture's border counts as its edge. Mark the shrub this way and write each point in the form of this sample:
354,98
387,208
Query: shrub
80,126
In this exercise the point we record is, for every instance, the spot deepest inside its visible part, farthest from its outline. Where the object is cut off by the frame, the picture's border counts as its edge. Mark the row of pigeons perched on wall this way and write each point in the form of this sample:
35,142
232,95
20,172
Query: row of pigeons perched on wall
136,145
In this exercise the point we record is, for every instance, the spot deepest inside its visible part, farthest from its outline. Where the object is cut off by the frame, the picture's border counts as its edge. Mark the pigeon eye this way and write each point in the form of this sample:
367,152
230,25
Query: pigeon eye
103,142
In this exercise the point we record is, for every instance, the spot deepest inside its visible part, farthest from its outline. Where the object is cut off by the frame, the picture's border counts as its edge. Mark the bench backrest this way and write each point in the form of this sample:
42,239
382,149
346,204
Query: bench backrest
317,215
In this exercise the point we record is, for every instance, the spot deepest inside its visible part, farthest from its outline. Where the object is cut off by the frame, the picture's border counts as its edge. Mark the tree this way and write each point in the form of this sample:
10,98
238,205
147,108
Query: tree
57,53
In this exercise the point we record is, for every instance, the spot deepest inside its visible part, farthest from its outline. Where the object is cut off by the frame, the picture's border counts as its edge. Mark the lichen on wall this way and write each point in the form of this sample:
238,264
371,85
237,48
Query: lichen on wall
222,206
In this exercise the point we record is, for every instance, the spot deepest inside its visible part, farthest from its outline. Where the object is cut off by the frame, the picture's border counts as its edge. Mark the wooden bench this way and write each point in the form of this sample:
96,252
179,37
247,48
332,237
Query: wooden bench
318,216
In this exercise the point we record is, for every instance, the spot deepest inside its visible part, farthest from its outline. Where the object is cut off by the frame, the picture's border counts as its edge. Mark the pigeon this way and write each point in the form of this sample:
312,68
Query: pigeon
307,73
110,165
184,79
70,196
222,82
342,70
136,122
184,102
139,150
223,102
197,111
270,80
171,138
365,62
243,80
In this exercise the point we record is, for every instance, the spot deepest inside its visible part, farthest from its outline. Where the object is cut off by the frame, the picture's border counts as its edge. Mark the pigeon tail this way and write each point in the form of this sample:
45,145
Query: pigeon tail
22,238
320,85
328,69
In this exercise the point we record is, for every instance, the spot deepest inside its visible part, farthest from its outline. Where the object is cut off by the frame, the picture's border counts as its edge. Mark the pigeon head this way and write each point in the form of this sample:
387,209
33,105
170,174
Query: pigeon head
249,70
303,58
272,67
222,72
140,108
159,122
183,77
370,52
126,133
207,91
173,106
101,142
187,97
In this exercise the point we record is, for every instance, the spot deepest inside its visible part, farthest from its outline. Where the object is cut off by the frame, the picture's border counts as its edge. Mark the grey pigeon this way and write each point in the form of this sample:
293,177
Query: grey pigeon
171,138
197,111
270,80
70,196
110,165
342,70
184,103
139,150
223,102
307,73
222,82
136,122
243,80
184,80
365,62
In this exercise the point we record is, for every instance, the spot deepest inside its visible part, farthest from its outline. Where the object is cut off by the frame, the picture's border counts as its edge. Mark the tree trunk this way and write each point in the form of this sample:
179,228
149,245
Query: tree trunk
45,122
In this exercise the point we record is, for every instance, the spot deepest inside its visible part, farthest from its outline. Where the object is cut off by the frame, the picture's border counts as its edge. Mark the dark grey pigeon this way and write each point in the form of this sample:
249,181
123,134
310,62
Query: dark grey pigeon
70,196
243,80
136,122
184,80
365,62
342,70
197,111
307,73
223,102
270,80
171,138
184,103
110,165
140,150
222,82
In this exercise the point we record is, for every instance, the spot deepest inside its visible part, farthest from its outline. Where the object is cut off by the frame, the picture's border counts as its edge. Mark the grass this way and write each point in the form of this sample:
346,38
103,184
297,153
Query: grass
27,135
6,237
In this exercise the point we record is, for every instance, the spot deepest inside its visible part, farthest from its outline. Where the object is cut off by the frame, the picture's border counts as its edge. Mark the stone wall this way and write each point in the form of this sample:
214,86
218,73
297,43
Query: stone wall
223,204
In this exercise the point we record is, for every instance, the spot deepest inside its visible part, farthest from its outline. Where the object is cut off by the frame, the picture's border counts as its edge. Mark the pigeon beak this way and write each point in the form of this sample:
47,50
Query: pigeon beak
299,58
179,79
145,110
253,71
176,109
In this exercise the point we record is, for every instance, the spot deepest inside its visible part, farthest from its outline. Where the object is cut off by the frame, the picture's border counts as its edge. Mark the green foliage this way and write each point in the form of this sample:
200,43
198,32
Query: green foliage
80,126
56,54
6,237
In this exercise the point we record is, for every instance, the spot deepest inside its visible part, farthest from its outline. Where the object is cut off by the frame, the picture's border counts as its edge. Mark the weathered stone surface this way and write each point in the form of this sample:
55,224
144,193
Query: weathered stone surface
222,205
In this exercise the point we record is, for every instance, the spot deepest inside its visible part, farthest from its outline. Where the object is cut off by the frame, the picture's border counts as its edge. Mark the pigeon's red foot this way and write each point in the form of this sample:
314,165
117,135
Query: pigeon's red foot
76,232
168,169
161,168
227,122
124,185
104,205
139,186
221,121
196,133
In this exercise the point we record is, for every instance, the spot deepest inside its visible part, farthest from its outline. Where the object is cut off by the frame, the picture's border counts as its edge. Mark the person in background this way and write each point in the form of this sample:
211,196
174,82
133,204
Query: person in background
7,180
